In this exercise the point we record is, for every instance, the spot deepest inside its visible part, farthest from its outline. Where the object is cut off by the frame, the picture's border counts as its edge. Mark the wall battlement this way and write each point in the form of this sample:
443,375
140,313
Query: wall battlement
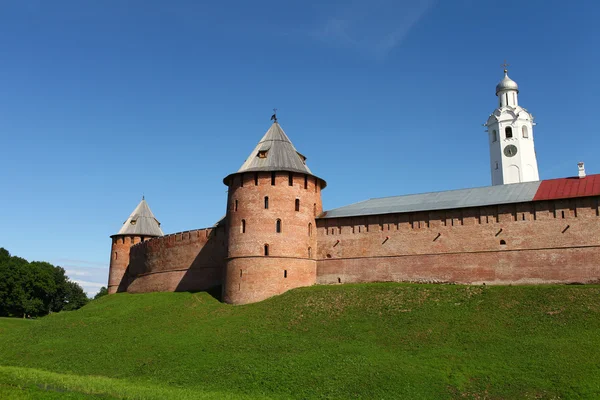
509,243
276,237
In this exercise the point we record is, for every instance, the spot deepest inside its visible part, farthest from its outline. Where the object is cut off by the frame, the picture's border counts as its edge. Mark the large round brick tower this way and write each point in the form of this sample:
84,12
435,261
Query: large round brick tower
140,225
272,203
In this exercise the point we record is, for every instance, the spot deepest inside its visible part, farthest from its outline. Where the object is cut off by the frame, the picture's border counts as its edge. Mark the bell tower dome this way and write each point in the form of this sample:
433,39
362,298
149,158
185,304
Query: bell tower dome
510,136
272,203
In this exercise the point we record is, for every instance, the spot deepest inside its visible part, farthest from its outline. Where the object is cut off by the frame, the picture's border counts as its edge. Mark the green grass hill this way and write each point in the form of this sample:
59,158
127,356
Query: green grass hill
369,341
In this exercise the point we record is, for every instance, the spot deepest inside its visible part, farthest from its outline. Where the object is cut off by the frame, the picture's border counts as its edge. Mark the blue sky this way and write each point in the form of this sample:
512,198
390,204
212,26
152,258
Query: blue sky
103,101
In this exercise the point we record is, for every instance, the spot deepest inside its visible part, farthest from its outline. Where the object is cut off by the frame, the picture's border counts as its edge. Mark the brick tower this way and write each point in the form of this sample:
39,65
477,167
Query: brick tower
140,225
272,203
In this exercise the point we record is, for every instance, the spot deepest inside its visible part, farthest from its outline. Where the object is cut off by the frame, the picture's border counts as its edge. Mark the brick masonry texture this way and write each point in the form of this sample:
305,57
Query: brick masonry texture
536,242
252,224
550,241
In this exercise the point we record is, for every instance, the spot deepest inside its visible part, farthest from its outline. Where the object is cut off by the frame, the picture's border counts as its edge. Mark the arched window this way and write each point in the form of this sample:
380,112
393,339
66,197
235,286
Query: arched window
494,136
315,209
297,204
278,226
508,132
291,179
309,252
266,249
273,178
310,229
305,181
256,179
236,206
266,202
285,273
525,132
243,227
116,256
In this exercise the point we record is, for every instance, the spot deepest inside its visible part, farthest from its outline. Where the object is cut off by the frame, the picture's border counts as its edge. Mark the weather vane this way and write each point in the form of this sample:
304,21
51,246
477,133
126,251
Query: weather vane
505,66
274,116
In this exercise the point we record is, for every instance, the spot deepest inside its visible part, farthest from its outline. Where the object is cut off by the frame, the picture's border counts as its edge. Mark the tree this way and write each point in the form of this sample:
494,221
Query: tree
35,288
75,297
103,292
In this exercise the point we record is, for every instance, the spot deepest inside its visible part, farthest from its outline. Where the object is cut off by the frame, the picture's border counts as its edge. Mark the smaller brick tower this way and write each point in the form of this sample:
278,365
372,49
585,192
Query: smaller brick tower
140,225
272,203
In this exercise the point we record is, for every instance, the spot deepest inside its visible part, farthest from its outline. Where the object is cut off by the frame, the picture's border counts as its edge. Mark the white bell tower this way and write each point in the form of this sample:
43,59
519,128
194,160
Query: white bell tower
510,135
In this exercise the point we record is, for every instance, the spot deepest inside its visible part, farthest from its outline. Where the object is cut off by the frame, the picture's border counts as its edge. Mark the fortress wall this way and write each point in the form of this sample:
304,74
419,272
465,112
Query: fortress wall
535,242
191,260
250,274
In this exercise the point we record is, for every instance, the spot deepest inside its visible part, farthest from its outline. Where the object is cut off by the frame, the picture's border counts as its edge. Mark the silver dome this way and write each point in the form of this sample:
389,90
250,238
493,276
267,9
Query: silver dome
506,84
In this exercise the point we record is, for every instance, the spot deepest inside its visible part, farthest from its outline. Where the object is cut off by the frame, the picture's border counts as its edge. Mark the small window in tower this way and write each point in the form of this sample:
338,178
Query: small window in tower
297,204
291,179
315,209
309,252
508,132
503,242
256,179
236,206
133,222
494,136
278,226
266,249
242,180
285,273
272,178
309,229
303,158
266,202
243,227
116,256
496,164
305,181
525,132
262,154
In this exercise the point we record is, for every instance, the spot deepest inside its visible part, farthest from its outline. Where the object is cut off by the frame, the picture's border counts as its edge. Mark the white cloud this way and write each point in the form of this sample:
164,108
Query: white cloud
90,288
91,279
373,27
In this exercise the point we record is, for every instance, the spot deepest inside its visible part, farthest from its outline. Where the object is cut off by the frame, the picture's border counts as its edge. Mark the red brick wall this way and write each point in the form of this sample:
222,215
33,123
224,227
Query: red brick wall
191,260
250,275
119,262
548,241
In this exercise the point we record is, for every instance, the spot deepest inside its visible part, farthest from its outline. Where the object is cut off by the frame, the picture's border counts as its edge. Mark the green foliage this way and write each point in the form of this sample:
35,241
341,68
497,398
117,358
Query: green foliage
103,292
382,341
35,288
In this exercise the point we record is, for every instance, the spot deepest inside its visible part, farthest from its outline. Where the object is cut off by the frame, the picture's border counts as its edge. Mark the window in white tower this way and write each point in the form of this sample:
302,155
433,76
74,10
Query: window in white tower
508,132
494,136
525,132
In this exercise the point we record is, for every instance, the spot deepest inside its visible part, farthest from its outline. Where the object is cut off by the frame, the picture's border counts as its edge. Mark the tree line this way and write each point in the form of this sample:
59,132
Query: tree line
37,288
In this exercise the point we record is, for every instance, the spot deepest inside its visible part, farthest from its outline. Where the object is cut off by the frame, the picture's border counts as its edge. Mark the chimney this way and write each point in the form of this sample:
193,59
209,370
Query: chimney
581,169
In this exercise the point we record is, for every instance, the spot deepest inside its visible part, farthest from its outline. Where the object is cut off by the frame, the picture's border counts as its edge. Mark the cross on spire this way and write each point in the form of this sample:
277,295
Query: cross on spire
505,66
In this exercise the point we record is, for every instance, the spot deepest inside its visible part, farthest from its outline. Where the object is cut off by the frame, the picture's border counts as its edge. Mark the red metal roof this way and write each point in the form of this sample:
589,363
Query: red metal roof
565,188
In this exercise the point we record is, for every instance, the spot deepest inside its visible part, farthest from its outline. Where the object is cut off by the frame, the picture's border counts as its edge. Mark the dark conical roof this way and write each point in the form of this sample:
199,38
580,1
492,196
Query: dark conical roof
141,222
275,152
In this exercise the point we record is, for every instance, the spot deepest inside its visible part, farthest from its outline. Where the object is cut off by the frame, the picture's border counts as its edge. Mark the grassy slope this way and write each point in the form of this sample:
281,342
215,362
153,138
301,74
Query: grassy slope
362,341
